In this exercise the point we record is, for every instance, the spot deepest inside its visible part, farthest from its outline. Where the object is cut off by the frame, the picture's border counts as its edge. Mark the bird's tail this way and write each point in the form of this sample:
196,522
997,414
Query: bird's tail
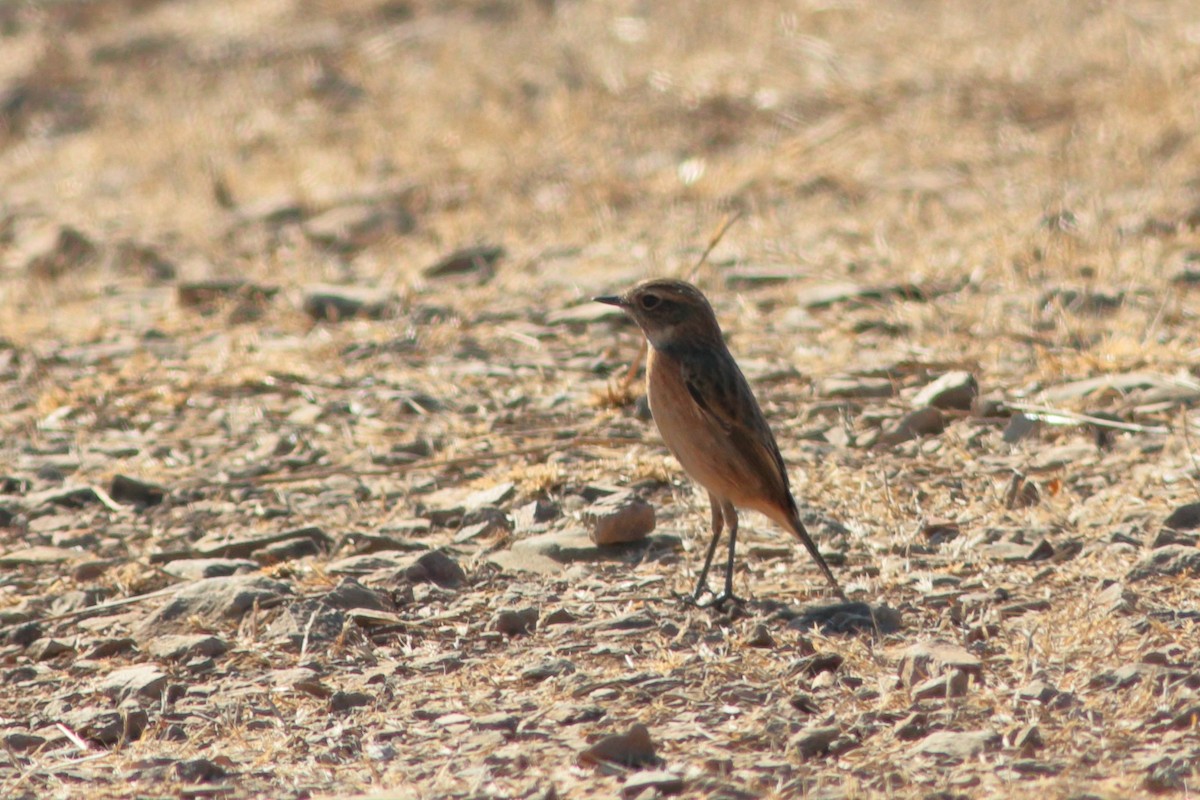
797,527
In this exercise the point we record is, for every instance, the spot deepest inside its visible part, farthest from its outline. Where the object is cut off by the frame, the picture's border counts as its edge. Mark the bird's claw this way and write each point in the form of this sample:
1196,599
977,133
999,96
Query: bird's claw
716,600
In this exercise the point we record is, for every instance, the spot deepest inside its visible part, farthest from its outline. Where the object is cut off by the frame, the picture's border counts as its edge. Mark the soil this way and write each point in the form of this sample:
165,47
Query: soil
309,422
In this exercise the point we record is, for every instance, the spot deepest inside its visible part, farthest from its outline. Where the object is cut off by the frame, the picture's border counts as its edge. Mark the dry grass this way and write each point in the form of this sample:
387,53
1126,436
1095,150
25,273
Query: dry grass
999,157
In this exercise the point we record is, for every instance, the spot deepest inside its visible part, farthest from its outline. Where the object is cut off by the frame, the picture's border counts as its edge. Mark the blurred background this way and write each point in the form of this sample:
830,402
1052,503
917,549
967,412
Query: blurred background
363,140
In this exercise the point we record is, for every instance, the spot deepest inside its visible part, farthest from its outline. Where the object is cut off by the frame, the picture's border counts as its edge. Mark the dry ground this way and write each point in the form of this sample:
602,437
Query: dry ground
1013,189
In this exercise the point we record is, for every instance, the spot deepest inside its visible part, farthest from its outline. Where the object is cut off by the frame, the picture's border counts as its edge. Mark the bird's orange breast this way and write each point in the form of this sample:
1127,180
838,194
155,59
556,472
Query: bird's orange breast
702,447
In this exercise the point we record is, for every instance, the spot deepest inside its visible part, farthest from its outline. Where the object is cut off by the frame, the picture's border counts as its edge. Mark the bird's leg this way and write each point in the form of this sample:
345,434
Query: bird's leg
718,523
729,513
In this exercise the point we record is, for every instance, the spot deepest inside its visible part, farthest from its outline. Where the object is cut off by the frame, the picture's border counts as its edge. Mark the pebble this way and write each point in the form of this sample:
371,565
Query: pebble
851,388
927,421
143,680
326,303
812,742
436,567
619,519
634,748
475,263
213,598
958,745
954,390
124,489
193,569
107,727
925,660
1173,559
657,781
514,622
184,646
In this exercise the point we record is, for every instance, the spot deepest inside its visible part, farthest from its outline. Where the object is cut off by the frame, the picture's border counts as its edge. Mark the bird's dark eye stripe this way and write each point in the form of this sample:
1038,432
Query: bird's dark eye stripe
650,301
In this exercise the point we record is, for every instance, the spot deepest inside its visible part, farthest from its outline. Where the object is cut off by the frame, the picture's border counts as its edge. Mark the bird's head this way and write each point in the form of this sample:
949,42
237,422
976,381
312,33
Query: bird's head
669,311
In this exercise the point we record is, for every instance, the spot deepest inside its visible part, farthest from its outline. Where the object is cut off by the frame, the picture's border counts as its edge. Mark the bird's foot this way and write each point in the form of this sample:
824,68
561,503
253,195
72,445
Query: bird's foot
714,600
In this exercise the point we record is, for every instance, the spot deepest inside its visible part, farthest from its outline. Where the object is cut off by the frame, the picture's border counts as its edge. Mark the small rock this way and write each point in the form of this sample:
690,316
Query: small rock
143,260
181,647
549,668
513,561
951,684
124,489
852,388
619,519
350,228
207,296
107,727
1184,518
492,496
575,545
912,727
513,622
143,680
436,567
344,701
26,634
1020,427
954,390
499,721
350,594
477,264
534,513
337,303
46,649
813,742
40,555
19,741
1028,739
223,546
560,616
289,550
924,660
926,421
847,618
958,745
659,782
212,598
194,569
761,637
1175,559
633,748
58,252
1021,493
199,770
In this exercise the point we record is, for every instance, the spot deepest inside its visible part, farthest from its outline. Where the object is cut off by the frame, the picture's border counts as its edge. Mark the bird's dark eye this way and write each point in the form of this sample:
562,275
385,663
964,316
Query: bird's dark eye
650,301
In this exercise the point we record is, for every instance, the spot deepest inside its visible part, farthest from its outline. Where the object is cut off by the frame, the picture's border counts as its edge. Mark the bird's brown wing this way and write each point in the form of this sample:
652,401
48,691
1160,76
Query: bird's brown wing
722,393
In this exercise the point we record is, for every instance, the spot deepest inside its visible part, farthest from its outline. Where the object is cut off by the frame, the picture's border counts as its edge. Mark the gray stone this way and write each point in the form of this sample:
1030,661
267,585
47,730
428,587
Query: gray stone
143,680
339,303
619,519
1174,559
198,568
184,646
852,388
634,748
954,390
214,598
958,745
925,660
813,742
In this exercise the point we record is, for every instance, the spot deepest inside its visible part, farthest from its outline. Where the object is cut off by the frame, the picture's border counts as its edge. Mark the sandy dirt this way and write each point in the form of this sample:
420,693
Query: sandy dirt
307,418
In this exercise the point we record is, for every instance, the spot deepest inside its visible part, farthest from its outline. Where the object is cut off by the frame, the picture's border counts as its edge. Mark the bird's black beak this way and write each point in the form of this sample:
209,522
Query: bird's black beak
612,300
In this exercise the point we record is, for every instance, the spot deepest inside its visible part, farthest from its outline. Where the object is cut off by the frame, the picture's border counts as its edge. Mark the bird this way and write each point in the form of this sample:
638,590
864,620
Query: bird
710,420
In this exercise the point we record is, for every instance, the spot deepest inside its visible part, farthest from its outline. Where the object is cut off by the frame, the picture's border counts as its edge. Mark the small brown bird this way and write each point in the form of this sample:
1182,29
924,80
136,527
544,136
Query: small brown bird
709,419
